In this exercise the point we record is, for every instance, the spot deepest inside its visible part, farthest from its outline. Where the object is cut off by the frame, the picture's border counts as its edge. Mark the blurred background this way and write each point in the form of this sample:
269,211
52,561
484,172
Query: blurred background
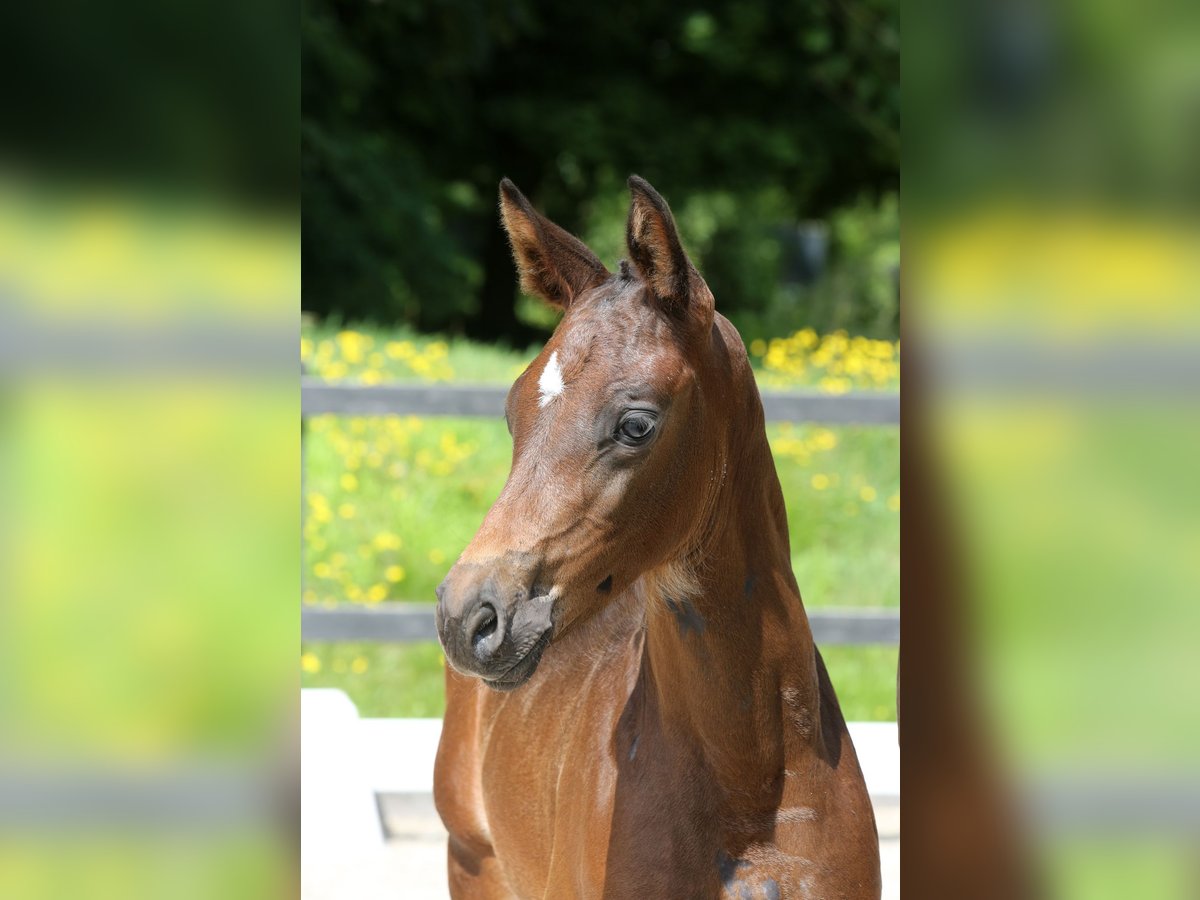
149,276
1052,312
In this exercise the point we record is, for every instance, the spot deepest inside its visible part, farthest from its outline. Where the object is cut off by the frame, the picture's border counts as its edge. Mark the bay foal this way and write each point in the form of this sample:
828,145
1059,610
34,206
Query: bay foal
635,707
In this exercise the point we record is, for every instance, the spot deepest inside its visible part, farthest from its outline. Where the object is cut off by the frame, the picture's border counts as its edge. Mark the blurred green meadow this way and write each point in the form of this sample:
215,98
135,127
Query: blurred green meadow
390,502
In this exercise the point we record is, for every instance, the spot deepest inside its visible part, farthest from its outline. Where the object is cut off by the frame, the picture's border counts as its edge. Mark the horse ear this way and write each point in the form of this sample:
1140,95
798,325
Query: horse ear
553,264
655,249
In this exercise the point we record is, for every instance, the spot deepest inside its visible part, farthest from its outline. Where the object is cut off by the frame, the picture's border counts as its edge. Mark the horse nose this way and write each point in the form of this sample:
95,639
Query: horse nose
483,629
473,623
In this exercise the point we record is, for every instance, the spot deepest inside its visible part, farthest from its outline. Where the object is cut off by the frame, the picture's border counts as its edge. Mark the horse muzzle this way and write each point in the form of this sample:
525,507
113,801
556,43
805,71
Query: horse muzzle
494,623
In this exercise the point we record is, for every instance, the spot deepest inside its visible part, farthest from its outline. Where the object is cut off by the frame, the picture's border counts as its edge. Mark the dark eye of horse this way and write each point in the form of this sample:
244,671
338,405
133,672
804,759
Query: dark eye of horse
635,428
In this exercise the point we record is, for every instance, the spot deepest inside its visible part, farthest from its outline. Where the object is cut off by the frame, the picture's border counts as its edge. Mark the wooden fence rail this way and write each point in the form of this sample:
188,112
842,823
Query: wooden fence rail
320,397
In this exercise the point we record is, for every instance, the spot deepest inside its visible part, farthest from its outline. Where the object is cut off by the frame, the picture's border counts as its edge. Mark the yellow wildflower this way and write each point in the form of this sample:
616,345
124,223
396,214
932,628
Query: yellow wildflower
399,349
893,503
820,482
320,508
352,344
310,663
359,665
867,494
824,440
385,540
394,573
322,570
348,482
377,593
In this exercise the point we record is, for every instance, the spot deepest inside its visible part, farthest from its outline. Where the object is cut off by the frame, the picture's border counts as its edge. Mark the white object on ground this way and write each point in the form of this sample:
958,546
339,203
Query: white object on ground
337,799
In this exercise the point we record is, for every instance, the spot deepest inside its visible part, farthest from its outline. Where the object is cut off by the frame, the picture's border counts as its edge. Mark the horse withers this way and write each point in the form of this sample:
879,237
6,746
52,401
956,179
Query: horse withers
634,704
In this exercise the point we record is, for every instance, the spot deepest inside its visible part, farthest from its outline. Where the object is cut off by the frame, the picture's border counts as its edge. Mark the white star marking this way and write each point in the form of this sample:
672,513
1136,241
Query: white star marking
550,382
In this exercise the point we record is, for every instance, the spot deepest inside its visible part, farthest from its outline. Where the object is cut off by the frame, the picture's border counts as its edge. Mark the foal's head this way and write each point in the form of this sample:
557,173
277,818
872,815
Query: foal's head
614,445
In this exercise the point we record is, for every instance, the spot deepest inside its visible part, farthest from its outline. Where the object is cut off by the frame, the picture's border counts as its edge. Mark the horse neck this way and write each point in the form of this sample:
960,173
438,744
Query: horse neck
728,647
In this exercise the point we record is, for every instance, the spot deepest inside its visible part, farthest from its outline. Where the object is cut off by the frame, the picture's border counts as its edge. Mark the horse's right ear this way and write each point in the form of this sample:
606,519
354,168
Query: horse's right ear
657,252
553,264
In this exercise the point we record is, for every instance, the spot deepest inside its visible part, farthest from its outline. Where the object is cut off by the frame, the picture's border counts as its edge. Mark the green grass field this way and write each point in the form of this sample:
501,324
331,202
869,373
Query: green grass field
391,502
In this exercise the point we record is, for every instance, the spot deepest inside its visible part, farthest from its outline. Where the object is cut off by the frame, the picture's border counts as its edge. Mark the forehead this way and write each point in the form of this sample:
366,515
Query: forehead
612,337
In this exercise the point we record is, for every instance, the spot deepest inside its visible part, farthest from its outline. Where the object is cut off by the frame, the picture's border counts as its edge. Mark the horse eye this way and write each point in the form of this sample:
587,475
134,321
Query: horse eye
635,428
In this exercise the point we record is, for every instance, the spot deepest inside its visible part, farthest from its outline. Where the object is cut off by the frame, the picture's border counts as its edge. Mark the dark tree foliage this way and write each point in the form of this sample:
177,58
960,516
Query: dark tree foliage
413,111
171,100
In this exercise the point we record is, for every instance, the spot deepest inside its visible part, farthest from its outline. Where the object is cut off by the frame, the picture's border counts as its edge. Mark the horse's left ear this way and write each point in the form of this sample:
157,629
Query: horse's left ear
655,249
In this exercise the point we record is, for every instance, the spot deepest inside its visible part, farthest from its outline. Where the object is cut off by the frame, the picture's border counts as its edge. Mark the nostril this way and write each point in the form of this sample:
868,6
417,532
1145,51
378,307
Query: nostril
483,625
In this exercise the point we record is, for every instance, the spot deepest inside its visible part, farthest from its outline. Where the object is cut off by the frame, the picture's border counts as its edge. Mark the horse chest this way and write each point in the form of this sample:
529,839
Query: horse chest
547,767
595,804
